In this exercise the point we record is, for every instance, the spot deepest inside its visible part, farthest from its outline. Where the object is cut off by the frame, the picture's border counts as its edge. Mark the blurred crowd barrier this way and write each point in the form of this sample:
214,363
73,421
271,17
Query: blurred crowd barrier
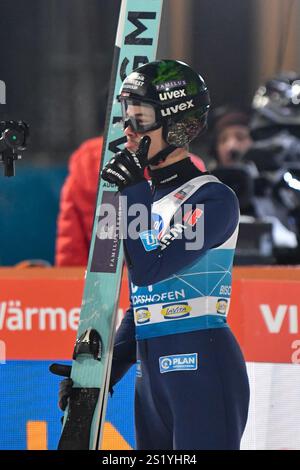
29,205
39,312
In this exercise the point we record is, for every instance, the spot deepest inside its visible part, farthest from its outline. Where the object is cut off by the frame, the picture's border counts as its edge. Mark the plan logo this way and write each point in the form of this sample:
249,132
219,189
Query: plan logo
2,92
178,362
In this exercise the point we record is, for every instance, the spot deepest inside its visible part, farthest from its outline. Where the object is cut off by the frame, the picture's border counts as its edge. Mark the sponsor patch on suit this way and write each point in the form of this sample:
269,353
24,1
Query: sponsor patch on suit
178,362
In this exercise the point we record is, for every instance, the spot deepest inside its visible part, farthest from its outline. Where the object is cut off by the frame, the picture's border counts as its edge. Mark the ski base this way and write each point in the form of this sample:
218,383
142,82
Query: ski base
76,432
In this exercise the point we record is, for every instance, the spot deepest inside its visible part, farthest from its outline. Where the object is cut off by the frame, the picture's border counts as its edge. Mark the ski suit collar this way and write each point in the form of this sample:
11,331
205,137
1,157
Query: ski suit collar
175,174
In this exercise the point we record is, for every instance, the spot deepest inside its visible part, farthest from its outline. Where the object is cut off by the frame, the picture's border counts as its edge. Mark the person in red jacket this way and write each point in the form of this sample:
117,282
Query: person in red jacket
77,203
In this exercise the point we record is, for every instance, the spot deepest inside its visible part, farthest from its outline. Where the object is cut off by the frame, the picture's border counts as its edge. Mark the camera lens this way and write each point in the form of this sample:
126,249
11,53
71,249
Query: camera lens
13,138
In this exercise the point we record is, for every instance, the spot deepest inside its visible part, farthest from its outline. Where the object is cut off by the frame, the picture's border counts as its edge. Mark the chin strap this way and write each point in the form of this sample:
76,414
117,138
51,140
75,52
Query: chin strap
161,156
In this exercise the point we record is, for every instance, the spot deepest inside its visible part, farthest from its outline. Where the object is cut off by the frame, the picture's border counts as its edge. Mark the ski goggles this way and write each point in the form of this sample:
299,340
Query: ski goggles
140,116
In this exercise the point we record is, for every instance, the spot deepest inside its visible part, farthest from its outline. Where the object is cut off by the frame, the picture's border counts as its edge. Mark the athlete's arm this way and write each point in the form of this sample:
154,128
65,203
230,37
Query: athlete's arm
221,215
124,354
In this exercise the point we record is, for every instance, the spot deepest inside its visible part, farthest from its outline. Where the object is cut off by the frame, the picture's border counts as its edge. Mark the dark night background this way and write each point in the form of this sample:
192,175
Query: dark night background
55,58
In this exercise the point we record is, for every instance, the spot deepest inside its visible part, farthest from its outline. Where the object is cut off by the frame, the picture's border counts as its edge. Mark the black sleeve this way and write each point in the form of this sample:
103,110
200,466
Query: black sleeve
219,220
124,354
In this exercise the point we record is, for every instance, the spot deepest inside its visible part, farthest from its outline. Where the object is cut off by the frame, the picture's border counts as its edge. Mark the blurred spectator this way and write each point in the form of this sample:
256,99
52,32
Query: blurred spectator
230,135
249,153
230,139
77,203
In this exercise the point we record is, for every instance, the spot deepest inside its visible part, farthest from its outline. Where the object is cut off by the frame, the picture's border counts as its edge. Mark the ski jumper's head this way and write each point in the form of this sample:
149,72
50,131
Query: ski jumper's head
166,100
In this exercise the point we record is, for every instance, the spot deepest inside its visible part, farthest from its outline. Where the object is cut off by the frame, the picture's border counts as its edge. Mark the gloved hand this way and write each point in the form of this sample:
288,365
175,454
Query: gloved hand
127,168
65,385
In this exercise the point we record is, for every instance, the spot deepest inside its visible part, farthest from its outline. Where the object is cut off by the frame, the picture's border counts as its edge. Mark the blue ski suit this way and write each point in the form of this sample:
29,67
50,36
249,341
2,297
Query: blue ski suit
192,388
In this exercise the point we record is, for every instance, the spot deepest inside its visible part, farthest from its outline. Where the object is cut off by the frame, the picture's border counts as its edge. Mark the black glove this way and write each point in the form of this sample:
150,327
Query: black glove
65,386
126,168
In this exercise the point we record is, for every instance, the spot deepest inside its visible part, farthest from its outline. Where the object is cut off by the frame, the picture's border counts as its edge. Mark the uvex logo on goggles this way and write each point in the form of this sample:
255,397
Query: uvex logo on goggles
178,107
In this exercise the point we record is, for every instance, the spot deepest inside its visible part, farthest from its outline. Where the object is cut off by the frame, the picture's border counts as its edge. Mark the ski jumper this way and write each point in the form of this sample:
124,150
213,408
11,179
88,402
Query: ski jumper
192,388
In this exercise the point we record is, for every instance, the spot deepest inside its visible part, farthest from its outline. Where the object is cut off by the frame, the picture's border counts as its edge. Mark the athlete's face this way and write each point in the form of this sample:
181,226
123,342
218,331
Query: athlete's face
142,117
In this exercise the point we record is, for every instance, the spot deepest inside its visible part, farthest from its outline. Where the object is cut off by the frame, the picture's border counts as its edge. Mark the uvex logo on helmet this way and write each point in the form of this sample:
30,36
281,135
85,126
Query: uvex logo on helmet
178,107
170,95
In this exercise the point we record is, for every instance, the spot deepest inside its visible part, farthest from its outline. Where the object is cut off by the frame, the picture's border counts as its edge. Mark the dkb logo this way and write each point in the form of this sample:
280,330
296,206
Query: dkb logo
2,92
